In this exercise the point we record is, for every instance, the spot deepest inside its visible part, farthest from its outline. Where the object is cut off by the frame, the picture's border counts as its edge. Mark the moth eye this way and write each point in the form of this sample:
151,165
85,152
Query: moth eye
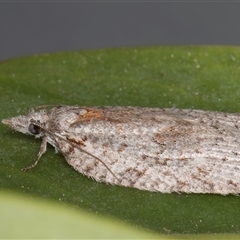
34,129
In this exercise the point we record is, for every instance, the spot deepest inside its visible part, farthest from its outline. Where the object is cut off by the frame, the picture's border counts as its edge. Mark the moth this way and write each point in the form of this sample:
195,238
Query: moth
164,150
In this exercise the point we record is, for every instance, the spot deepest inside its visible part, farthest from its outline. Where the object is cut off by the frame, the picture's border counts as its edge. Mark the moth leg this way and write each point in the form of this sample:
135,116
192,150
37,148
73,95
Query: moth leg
42,150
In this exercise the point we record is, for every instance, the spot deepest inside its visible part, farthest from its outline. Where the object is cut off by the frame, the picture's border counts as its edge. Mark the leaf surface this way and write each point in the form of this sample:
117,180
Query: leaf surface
184,77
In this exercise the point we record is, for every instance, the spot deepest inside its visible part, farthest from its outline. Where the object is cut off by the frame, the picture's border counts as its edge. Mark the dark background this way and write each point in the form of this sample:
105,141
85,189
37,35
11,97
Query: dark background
35,27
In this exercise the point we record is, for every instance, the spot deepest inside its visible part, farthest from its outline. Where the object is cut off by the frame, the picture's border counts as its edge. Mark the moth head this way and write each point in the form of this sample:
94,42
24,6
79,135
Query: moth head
26,124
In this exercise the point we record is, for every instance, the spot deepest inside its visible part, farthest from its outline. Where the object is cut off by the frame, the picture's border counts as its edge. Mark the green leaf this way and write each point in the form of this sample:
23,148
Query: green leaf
31,218
184,77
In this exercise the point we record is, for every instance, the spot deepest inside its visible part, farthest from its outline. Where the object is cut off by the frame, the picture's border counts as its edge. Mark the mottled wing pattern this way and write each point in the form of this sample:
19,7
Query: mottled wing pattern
166,150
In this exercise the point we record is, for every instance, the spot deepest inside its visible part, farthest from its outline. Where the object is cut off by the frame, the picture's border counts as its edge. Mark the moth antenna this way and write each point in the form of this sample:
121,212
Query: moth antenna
73,144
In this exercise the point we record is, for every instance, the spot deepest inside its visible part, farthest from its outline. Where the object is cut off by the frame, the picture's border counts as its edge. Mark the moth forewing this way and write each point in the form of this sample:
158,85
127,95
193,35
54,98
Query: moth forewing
165,150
